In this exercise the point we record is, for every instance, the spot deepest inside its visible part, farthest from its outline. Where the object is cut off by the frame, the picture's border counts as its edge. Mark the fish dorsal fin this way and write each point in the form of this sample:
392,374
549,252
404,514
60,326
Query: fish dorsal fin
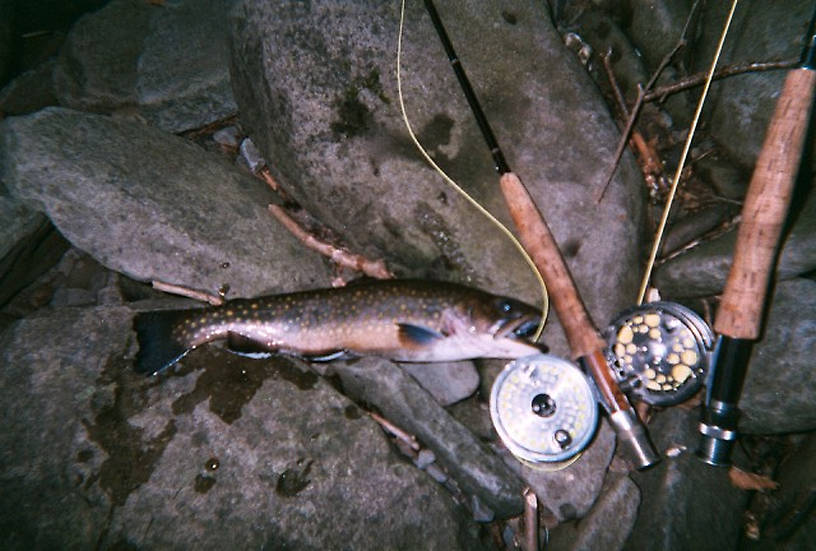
417,335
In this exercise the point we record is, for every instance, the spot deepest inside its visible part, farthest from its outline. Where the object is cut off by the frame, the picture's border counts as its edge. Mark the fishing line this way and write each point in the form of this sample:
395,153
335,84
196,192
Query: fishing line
686,147
545,302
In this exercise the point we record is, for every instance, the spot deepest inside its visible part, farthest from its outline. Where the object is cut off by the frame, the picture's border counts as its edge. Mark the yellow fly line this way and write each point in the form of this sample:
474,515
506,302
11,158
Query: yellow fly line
544,298
661,228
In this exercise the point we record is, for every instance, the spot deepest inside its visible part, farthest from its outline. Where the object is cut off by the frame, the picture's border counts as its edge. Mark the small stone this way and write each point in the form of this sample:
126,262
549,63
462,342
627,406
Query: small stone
481,512
251,155
448,382
227,136
72,297
425,458
437,473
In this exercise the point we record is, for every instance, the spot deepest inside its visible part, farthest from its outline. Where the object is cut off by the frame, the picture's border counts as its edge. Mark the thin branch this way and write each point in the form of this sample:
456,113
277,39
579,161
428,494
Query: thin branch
372,268
530,520
621,145
266,176
751,481
610,75
697,79
681,42
180,290
409,439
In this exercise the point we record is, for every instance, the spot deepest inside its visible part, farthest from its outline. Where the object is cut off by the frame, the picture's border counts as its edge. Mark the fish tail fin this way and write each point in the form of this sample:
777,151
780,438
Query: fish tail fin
158,349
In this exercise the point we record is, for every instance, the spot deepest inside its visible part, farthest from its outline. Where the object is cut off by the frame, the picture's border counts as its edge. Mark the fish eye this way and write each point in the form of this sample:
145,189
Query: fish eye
505,305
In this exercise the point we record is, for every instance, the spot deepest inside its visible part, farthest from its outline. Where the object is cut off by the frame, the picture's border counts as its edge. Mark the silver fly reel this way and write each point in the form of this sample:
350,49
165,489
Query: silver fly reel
659,352
544,409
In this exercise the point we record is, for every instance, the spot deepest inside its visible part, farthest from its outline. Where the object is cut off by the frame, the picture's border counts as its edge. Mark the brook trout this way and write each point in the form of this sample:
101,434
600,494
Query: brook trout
403,320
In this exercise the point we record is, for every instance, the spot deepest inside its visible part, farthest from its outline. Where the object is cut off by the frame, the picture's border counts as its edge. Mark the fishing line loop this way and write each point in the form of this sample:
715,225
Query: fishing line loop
544,296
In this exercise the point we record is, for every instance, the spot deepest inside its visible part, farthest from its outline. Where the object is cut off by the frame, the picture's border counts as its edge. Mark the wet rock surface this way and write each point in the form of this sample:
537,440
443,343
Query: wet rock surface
112,447
225,449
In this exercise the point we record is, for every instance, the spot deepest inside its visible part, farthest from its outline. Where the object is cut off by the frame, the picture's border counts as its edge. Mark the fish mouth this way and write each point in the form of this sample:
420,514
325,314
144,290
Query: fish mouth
522,327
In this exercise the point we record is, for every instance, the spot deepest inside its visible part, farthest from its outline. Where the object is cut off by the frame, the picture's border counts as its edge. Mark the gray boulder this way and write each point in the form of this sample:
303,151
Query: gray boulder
28,245
151,205
166,63
742,106
609,522
30,91
780,388
703,270
94,456
478,471
323,109
685,504
568,493
656,26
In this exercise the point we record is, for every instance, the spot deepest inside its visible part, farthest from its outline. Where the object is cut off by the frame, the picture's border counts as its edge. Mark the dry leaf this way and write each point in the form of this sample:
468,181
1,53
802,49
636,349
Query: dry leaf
751,481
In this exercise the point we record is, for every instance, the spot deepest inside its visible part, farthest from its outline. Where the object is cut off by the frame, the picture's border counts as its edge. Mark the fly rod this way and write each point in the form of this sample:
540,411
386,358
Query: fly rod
739,316
585,342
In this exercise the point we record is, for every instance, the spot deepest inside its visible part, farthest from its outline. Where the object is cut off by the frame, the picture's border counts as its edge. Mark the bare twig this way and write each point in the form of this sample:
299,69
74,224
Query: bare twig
633,115
699,78
409,439
372,268
610,75
751,481
180,290
266,176
621,145
530,520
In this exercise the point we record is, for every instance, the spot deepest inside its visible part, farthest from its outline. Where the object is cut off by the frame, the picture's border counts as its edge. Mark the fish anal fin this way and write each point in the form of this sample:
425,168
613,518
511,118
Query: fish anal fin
332,355
416,335
242,344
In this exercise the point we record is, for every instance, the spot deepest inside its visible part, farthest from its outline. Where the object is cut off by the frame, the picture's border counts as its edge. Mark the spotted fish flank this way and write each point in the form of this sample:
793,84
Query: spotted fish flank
404,320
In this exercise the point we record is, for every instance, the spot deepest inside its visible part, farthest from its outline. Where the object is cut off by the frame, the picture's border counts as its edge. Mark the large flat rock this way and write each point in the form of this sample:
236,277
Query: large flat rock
316,88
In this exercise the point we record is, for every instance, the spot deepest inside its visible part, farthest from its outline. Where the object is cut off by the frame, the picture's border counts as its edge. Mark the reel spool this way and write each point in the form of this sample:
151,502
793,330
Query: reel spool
544,409
659,352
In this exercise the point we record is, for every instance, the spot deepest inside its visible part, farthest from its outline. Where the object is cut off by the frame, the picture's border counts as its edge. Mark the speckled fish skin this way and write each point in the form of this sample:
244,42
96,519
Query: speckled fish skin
404,320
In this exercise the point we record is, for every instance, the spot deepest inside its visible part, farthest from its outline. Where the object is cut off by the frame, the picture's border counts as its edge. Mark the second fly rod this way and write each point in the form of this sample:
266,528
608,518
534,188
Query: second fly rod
586,344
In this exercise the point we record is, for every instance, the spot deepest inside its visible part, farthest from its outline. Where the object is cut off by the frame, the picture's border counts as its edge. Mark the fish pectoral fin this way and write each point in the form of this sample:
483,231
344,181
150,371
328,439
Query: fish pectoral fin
334,355
417,335
246,346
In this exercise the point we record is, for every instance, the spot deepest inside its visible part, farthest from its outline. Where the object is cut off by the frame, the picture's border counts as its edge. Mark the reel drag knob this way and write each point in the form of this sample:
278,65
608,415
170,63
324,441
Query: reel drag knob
659,352
544,409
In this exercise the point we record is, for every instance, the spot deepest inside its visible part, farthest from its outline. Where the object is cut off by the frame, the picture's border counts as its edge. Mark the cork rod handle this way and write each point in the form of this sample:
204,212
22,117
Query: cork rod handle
537,238
763,213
